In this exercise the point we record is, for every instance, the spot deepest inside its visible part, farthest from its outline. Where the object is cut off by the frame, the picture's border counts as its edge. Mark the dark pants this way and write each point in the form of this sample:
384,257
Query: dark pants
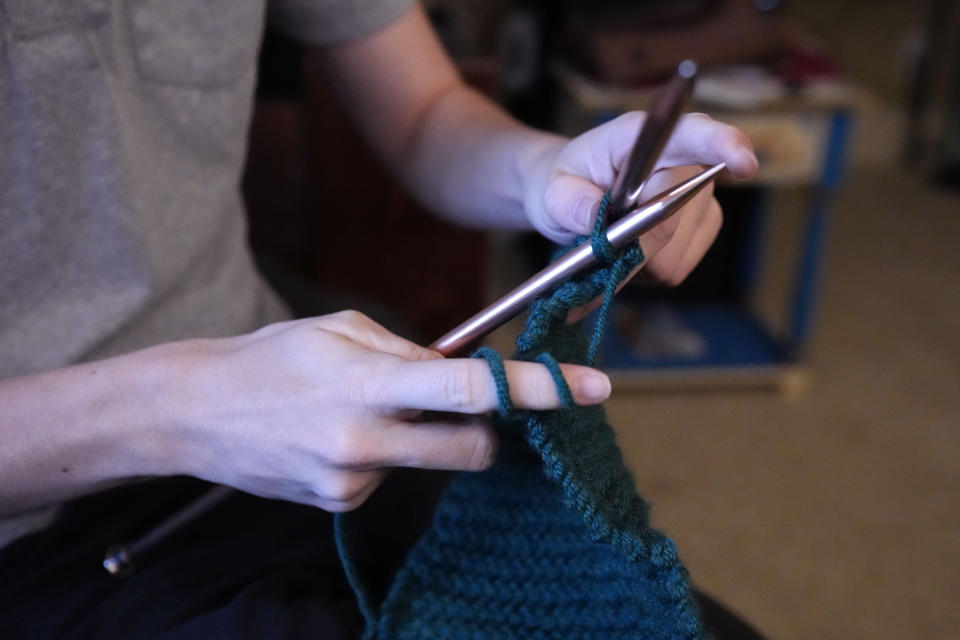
252,568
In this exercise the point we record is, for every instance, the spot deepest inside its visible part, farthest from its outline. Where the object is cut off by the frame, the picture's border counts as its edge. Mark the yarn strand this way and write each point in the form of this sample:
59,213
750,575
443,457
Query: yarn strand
367,608
553,541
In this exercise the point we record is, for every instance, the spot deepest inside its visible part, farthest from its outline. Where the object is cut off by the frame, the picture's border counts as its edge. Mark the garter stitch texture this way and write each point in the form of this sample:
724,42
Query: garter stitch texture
552,541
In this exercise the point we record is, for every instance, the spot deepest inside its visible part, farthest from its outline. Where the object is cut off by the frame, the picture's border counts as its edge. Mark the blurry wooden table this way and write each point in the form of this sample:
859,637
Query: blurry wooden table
801,140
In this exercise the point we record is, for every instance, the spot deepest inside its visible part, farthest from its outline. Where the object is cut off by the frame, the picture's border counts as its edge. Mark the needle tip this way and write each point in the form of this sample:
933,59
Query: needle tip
687,69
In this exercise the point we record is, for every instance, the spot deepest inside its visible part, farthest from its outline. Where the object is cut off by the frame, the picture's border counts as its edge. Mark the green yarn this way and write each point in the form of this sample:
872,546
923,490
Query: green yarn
566,398
504,404
552,541
495,362
603,249
340,539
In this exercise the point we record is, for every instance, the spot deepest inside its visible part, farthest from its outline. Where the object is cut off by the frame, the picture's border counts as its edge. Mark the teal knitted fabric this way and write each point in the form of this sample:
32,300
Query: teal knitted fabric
552,541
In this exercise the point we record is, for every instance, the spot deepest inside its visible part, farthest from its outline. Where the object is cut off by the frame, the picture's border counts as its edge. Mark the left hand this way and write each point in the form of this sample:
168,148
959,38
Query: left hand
572,178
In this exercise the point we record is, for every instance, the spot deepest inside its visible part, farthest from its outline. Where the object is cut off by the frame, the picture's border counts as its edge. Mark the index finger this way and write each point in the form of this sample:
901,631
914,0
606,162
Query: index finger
699,139
463,385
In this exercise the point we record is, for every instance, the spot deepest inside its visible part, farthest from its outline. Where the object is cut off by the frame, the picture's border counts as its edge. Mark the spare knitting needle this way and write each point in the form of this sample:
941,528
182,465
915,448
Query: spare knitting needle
660,122
626,230
121,559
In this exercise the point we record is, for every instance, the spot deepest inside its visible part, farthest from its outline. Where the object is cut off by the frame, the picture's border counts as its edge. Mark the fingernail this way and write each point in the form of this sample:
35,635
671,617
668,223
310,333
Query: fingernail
751,157
583,212
594,388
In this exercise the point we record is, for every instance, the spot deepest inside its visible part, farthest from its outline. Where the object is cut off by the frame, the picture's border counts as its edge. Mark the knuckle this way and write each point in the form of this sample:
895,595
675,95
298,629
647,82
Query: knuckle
484,451
349,315
334,488
699,115
460,387
344,488
414,352
545,390
364,389
346,321
735,133
345,449
721,134
352,392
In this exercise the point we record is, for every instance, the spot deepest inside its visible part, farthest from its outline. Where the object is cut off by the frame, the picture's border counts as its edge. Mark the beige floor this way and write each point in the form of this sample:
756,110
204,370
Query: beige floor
837,515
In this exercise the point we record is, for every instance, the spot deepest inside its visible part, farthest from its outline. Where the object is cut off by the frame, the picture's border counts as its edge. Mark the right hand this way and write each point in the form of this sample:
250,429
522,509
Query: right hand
318,410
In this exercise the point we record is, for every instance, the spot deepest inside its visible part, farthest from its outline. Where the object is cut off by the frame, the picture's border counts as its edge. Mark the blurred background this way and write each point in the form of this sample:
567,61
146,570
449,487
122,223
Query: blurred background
792,411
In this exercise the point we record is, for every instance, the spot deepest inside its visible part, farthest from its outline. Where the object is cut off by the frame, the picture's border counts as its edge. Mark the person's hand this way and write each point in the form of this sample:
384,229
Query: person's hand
316,411
563,198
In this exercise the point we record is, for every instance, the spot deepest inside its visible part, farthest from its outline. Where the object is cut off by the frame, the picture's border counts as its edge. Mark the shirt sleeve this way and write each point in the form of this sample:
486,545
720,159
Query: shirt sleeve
334,21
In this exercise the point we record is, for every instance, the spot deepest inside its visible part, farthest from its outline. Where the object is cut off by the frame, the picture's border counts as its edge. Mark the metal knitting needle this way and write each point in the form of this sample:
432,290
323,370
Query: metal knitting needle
628,229
660,122
121,559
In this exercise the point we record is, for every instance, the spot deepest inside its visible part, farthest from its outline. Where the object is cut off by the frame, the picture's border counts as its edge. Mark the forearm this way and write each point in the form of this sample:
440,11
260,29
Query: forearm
78,429
454,150
472,163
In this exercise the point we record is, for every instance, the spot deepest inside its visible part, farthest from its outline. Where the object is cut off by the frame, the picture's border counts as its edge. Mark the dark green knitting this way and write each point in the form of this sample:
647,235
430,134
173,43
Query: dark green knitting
552,541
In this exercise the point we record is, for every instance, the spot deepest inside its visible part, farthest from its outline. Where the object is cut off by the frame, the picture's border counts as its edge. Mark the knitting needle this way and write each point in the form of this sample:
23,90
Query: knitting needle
660,122
626,230
120,560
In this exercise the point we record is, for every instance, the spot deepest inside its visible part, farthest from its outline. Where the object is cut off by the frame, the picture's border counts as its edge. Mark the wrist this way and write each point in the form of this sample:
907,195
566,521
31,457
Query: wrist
159,403
86,427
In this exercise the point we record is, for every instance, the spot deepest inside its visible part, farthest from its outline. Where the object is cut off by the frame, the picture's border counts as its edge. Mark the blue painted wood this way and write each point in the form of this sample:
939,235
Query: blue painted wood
731,336
734,336
810,267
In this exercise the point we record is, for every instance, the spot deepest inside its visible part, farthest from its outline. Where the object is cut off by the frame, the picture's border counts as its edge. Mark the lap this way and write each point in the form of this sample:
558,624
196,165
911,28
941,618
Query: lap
253,568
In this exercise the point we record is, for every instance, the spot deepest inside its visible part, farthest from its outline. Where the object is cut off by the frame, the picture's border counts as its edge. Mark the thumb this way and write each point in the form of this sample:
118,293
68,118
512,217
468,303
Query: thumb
571,204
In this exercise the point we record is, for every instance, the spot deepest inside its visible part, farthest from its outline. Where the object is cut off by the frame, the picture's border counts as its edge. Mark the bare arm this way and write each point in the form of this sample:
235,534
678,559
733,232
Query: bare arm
83,428
469,161
312,411
244,411
458,153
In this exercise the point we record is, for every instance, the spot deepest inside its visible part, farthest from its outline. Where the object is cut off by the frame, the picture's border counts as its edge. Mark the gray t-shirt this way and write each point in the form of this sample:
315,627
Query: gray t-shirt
122,136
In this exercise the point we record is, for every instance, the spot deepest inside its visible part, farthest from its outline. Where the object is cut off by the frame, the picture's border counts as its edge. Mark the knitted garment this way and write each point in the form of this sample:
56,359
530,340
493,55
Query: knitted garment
553,540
